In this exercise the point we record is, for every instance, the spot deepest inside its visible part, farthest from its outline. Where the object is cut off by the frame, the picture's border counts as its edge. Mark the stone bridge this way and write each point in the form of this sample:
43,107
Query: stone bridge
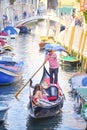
35,18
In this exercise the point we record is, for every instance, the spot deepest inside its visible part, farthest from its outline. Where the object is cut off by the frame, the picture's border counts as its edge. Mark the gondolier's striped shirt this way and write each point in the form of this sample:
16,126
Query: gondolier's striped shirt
52,58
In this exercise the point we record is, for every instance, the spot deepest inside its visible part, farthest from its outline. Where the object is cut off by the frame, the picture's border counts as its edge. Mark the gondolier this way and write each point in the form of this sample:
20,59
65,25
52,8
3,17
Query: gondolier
51,57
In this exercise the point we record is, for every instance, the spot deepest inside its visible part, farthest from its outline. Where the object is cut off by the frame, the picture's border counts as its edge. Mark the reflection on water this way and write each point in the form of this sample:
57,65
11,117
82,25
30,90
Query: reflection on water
45,124
26,49
7,92
2,126
70,68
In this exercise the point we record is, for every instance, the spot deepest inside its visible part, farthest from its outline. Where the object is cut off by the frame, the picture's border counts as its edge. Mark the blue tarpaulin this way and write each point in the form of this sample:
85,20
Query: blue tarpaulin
10,30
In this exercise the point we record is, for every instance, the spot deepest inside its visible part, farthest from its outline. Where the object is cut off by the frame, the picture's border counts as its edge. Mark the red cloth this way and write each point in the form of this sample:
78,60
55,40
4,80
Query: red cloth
52,98
3,34
2,42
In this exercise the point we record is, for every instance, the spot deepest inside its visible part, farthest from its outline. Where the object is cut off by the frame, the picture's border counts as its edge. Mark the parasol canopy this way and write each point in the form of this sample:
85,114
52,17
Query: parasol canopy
54,47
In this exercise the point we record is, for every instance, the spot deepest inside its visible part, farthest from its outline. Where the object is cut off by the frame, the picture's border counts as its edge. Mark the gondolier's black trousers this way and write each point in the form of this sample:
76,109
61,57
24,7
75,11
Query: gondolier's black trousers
53,75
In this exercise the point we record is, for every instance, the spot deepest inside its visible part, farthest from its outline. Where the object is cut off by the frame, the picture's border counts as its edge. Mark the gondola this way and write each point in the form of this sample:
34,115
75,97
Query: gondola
52,106
24,29
10,71
45,40
42,45
78,80
78,84
4,36
3,110
84,111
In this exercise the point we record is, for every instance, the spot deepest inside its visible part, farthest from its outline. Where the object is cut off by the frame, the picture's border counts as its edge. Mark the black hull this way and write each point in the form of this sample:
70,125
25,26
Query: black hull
45,112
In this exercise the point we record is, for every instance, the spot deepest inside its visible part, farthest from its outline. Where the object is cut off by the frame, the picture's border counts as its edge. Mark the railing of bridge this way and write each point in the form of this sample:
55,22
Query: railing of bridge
47,14
41,15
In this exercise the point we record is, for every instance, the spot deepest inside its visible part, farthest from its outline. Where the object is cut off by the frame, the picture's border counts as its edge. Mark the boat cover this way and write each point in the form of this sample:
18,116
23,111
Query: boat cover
82,91
69,58
84,111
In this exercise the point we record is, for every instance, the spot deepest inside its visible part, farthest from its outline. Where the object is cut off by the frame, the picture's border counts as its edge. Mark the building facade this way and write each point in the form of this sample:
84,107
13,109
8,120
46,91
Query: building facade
52,4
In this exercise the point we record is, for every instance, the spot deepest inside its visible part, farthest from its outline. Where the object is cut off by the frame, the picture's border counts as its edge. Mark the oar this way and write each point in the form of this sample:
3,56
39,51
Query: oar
28,82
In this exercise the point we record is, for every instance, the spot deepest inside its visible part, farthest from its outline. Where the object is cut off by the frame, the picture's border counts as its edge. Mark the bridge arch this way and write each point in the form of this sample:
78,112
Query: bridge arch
34,18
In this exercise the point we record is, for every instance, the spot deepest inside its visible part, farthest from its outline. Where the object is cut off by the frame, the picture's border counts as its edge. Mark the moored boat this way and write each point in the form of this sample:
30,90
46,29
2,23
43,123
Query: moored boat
23,29
80,98
3,110
53,104
4,36
42,45
5,49
78,80
84,111
11,31
45,40
70,61
10,71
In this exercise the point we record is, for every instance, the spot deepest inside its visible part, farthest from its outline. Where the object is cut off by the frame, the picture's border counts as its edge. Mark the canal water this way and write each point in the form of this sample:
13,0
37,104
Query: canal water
26,48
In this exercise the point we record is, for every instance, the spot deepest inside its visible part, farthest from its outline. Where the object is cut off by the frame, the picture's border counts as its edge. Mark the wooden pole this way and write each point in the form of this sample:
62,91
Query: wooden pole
48,26
85,65
71,39
83,45
80,43
16,95
57,27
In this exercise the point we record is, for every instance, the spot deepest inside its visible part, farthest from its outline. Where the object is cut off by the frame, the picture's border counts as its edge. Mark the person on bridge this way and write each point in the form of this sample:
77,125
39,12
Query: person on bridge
24,14
38,12
51,57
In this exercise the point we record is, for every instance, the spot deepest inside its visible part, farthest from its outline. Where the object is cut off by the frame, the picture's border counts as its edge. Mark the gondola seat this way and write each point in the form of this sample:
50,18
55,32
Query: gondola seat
52,98
53,93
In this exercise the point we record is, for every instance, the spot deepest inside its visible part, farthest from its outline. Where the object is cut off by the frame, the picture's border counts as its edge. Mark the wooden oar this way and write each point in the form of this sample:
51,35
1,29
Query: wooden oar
28,82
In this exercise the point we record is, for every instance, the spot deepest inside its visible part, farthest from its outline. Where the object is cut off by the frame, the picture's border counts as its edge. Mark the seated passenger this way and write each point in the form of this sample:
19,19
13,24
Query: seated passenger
37,93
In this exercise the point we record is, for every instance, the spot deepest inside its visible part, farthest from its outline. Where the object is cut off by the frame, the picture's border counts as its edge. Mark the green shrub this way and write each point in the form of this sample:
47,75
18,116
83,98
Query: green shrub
85,16
12,1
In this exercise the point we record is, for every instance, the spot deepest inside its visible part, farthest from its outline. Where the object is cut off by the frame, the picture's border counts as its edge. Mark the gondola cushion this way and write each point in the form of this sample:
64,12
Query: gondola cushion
53,93
52,98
